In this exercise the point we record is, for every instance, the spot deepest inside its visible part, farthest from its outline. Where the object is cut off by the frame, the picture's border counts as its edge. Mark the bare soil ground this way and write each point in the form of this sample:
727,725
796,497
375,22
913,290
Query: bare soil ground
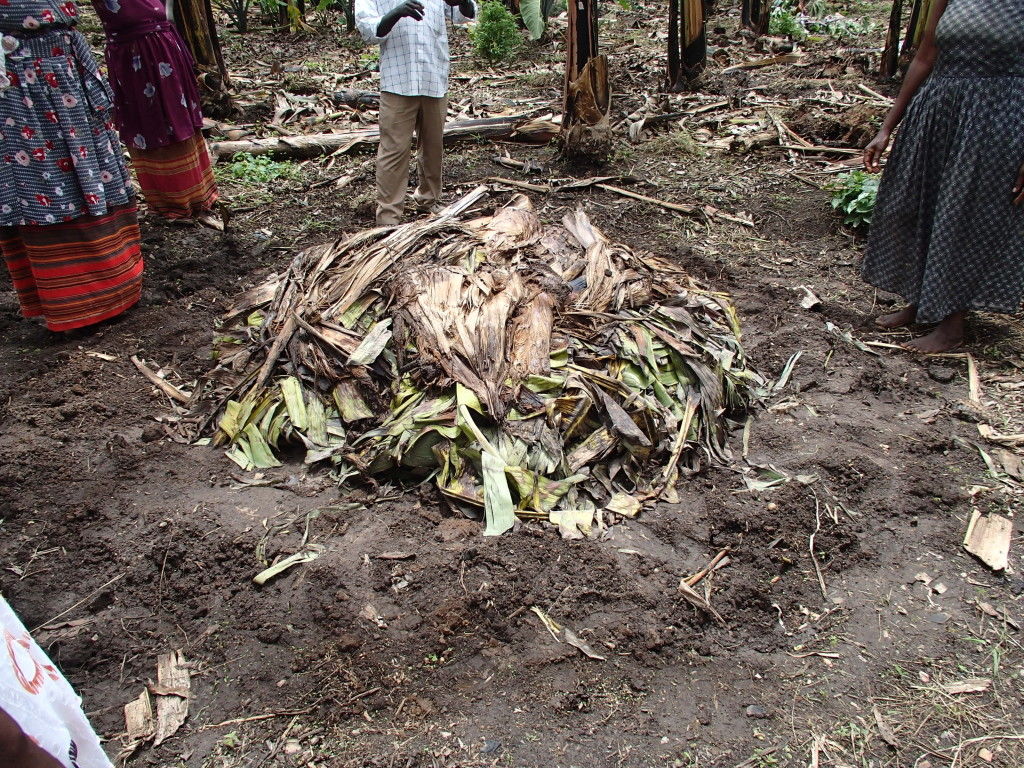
120,543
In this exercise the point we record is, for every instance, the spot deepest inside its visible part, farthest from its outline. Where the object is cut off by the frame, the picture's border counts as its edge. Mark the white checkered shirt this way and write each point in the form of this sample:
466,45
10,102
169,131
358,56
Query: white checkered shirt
413,55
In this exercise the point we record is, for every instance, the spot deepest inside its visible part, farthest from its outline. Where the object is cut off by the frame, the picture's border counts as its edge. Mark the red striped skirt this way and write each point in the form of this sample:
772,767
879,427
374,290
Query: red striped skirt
79,272
176,180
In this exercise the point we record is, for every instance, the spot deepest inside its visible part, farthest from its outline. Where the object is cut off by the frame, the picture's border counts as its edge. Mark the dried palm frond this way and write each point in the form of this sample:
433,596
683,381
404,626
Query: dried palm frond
532,370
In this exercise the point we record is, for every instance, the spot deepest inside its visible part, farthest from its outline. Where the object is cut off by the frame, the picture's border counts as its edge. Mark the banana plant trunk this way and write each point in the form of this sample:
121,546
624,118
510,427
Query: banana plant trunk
194,19
897,56
291,15
756,15
687,44
586,129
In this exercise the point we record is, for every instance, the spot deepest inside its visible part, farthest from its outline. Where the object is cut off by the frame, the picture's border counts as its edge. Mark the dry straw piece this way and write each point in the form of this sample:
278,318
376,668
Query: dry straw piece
526,368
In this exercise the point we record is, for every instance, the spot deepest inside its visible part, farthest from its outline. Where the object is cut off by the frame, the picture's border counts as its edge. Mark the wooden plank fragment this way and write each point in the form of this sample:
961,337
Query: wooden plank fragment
988,539
138,718
175,685
971,685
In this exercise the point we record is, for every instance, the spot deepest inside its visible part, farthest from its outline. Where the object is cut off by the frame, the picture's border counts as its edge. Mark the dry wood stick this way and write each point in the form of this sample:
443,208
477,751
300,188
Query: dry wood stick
690,210
164,386
810,546
876,94
785,58
256,718
973,380
822,150
326,143
695,599
681,208
780,129
522,184
283,337
720,561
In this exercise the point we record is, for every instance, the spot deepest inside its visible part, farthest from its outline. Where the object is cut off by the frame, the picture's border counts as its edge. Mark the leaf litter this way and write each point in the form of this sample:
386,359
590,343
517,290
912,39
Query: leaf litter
529,370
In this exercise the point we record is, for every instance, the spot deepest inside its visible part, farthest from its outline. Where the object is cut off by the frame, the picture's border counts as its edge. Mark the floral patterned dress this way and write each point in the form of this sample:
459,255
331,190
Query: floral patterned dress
59,155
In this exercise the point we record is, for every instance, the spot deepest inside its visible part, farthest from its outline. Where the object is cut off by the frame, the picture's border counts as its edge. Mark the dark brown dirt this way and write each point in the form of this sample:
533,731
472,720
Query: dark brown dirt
437,659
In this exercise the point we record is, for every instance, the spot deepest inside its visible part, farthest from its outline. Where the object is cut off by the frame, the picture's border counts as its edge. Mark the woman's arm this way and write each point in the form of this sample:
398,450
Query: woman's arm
917,73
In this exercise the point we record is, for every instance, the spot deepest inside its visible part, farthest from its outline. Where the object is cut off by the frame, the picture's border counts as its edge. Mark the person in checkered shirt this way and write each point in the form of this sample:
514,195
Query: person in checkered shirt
414,60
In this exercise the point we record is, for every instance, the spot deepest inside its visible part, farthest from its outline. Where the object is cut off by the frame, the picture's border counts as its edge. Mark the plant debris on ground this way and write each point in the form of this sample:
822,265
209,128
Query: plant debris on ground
529,369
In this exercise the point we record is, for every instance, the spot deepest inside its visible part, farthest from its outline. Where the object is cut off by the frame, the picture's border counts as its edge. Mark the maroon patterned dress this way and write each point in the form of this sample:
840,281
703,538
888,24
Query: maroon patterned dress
157,108
151,74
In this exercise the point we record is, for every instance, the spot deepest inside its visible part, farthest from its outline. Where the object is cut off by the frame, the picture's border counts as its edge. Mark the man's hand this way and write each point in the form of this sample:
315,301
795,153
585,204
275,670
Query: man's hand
466,7
1018,188
411,8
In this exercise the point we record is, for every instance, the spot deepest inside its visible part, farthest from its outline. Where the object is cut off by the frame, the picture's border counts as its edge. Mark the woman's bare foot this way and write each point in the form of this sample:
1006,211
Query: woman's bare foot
900,319
947,336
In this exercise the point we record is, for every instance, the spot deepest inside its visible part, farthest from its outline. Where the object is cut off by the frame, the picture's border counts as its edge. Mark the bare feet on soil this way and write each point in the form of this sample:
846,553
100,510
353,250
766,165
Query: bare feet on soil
900,319
947,336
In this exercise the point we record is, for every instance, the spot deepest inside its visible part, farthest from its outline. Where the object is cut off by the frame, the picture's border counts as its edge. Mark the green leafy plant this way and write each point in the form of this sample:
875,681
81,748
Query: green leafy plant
817,18
257,170
854,195
785,21
370,59
230,740
496,36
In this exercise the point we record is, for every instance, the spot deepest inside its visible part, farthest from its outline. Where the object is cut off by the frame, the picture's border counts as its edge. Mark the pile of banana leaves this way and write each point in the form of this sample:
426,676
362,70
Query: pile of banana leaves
528,370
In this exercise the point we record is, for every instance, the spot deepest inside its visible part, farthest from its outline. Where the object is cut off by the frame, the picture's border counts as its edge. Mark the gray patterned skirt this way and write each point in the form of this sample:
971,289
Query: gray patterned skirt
945,234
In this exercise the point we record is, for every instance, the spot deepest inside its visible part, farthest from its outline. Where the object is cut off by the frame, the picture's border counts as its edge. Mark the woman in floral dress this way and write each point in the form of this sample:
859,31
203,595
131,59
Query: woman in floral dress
157,107
68,229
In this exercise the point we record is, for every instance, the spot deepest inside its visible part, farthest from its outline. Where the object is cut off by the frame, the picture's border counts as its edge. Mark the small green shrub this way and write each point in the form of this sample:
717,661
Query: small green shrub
854,195
256,170
496,36
785,21
817,18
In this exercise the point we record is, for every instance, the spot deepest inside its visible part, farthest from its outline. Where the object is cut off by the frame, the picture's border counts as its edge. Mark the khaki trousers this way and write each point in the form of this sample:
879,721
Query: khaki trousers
399,116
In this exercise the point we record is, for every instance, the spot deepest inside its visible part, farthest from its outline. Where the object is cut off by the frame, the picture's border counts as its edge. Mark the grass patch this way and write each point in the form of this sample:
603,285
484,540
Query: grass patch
676,143
252,171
